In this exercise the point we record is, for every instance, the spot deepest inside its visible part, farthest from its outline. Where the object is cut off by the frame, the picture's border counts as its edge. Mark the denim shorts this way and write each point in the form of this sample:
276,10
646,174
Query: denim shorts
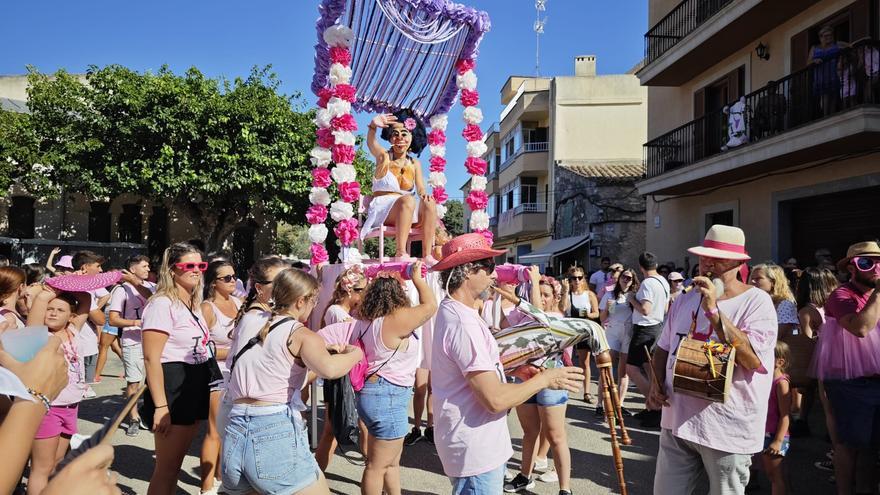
546,397
384,408
786,443
490,483
265,450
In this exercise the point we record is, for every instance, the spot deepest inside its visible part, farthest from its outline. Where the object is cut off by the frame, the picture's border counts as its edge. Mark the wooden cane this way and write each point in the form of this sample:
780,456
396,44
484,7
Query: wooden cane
603,362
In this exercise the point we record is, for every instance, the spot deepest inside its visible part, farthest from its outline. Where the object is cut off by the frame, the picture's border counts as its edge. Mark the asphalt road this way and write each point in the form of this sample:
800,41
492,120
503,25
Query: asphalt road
592,464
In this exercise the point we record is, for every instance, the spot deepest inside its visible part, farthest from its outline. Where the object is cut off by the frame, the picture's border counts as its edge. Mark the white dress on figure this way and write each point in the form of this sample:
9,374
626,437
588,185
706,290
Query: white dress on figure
380,206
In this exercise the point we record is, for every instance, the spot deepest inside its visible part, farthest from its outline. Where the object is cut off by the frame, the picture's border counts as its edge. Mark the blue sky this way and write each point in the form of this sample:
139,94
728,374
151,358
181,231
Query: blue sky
227,38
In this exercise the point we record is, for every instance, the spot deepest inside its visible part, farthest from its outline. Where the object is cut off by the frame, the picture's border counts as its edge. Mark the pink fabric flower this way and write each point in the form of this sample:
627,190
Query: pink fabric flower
475,166
436,137
325,137
342,153
472,132
319,254
349,191
316,214
470,98
343,123
324,96
345,92
465,64
347,231
488,235
321,177
410,124
438,164
477,200
340,55
439,194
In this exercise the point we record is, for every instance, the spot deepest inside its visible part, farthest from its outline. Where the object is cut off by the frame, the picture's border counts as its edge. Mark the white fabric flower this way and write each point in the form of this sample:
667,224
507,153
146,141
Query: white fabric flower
351,255
478,183
344,137
320,157
341,210
318,233
339,74
439,122
319,196
343,172
322,118
438,150
472,115
339,35
437,179
468,80
479,220
441,210
476,148
338,107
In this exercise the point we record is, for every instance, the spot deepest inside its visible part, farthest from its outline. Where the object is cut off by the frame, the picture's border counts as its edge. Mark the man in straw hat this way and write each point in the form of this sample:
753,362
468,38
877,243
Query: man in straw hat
471,395
699,437
847,360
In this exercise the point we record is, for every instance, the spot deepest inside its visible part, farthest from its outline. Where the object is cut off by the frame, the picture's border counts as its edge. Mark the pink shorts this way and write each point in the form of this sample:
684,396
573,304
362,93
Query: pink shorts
60,420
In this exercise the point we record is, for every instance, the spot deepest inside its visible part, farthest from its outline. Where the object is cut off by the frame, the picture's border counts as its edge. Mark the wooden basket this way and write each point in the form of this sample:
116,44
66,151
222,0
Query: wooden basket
693,375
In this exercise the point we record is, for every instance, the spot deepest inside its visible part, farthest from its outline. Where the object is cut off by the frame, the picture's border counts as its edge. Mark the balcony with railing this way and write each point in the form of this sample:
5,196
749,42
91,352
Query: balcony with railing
697,34
817,112
525,218
529,157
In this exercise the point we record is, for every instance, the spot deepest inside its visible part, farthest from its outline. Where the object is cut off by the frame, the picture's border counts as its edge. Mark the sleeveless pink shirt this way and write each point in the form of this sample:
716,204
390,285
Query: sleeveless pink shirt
401,369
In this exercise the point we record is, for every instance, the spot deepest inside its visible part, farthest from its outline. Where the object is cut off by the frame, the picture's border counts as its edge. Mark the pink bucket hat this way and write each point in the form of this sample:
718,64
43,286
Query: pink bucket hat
65,261
465,249
723,242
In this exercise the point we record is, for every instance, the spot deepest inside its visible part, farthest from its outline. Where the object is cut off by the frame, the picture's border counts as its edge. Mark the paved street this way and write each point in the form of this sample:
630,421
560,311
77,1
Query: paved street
593,469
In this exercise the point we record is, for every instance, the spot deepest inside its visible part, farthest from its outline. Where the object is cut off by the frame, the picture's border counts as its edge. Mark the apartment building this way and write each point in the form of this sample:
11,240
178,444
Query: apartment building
755,121
563,161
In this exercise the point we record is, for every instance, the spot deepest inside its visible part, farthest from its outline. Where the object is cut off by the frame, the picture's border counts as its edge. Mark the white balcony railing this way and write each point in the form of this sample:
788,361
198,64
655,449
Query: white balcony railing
530,208
533,147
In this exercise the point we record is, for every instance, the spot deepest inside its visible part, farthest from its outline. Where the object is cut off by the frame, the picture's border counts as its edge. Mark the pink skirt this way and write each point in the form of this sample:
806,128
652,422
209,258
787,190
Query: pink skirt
840,355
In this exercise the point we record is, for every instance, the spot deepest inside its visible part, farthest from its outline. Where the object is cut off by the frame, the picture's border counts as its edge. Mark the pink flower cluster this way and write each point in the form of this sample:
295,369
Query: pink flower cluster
340,55
325,137
465,64
475,166
345,92
439,194
436,137
349,191
342,153
347,231
472,132
438,164
316,214
321,177
324,96
470,98
477,200
343,123
319,254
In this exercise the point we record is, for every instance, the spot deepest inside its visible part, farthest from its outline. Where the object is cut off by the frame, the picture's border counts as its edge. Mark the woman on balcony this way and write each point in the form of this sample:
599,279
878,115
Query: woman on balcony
826,80
397,179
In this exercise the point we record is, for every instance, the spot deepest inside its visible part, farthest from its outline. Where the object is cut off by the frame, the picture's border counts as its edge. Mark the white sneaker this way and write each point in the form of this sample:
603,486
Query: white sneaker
76,439
508,475
541,464
549,477
89,393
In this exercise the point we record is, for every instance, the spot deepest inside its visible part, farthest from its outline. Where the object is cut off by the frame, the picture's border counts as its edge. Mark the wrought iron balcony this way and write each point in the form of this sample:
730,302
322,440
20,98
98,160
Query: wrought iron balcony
680,22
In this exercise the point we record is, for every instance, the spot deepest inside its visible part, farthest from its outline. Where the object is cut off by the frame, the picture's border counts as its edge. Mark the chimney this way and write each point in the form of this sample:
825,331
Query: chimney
585,65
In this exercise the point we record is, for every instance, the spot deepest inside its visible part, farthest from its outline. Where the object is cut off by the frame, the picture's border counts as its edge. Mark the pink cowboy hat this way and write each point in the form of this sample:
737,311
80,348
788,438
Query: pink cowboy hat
465,249
84,283
723,242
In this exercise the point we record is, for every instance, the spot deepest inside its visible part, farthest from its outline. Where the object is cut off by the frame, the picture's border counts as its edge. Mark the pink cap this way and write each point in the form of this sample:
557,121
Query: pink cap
65,261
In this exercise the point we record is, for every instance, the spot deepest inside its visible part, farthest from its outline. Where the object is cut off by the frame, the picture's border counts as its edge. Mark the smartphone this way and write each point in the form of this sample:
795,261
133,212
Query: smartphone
105,434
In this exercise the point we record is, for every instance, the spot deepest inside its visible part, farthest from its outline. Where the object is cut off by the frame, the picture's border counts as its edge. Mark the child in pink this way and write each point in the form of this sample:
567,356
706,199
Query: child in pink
776,438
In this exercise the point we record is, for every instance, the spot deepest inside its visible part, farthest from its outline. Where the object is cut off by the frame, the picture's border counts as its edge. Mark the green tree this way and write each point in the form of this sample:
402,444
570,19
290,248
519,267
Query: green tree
292,240
454,219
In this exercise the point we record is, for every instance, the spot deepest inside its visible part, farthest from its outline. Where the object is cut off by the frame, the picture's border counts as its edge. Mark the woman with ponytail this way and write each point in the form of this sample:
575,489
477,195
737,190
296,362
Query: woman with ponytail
176,355
265,445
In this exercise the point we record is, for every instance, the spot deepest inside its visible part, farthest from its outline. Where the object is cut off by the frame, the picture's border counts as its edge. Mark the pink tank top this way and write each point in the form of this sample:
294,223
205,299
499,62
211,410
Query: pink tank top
401,368
773,407
268,372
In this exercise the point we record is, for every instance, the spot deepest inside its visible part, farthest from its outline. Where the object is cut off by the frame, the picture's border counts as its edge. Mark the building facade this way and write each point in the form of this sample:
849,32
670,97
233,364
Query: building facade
564,150
753,123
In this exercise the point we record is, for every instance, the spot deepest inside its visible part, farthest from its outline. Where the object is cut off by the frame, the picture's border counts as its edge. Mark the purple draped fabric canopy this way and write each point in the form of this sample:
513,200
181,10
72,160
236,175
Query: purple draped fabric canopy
404,51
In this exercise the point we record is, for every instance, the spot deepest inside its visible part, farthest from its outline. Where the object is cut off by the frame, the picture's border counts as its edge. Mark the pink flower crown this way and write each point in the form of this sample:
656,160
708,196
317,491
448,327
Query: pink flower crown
410,124
554,284
350,277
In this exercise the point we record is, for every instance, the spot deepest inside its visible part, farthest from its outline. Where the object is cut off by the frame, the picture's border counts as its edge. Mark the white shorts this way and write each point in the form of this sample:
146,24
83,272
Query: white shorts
619,338
133,363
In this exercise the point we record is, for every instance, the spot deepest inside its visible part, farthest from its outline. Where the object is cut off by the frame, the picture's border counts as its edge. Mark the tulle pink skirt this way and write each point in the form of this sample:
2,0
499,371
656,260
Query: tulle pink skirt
840,355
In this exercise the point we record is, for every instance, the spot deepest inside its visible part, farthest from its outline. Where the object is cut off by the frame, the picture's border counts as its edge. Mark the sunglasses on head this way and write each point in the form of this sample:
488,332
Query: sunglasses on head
190,267
865,264
358,289
226,278
486,264
626,277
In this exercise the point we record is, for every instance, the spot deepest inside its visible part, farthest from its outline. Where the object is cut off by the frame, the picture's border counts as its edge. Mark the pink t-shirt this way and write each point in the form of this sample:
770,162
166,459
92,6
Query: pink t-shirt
129,303
187,335
76,371
401,365
470,440
735,426
335,314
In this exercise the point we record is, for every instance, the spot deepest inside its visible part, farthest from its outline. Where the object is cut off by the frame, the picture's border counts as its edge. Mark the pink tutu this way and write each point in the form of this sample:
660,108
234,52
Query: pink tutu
840,355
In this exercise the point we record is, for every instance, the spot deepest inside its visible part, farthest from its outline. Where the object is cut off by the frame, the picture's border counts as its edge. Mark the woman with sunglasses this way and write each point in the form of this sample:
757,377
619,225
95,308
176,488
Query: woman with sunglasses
582,304
220,308
616,314
176,354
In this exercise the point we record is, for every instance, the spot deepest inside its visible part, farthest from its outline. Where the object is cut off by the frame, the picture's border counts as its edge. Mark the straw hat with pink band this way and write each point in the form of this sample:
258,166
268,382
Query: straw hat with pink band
465,248
725,243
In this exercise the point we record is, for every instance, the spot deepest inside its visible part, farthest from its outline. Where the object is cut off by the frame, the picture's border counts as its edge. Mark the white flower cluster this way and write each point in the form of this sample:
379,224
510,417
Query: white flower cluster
338,35
478,183
472,115
439,122
343,172
476,148
318,233
320,157
437,179
341,210
479,220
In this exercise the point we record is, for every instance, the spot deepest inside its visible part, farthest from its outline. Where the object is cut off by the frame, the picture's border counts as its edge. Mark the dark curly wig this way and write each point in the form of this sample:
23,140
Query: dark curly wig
419,136
382,297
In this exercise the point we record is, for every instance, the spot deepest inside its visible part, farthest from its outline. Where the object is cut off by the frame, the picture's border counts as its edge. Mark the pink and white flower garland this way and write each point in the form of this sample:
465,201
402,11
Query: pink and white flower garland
477,200
336,144
437,167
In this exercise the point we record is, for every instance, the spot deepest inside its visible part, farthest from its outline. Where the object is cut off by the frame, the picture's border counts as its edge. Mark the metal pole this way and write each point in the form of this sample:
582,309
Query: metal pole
313,421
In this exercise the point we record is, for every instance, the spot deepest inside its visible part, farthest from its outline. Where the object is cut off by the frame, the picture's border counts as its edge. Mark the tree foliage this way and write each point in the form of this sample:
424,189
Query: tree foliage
454,219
